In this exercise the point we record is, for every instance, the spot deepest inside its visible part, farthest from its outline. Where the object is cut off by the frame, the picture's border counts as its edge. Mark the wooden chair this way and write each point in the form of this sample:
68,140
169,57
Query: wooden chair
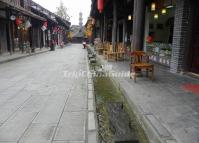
100,48
114,55
120,51
140,62
111,54
106,49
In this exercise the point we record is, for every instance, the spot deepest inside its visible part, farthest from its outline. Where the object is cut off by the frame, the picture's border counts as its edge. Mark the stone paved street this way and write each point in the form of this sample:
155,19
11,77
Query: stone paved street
39,105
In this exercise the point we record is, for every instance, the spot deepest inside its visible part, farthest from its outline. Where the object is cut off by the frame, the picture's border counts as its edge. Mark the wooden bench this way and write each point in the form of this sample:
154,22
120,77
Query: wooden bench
140,62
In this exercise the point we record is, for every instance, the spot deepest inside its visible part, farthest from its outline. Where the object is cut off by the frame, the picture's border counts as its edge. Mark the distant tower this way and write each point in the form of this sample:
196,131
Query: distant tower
80,19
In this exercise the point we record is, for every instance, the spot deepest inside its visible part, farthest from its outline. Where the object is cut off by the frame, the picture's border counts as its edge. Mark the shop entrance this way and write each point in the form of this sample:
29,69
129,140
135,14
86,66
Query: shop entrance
159,34
195,41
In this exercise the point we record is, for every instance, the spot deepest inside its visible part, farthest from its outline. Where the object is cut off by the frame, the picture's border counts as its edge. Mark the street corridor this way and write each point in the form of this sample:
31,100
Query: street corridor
38,104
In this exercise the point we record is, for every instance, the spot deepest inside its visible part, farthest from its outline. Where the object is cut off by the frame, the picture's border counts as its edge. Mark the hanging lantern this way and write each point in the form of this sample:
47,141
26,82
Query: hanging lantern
18,21
164,11
156,16
12,17
100,5
153,6
129,17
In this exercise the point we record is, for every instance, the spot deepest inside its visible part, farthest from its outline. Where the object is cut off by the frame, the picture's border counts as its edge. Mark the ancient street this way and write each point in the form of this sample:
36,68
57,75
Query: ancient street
39,105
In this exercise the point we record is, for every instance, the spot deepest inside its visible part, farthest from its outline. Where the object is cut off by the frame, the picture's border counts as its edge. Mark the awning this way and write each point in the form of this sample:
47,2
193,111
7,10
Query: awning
44,15
22,10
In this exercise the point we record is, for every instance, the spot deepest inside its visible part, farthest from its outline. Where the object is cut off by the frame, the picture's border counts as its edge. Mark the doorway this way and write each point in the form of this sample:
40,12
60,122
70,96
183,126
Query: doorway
3,38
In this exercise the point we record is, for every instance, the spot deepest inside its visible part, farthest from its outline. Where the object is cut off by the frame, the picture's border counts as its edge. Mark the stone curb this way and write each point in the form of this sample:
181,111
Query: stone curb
23,56
92,132
155,130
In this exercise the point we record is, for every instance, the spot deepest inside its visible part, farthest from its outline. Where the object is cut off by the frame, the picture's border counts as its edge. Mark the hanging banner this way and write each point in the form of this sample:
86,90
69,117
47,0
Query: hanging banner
44,27
27,24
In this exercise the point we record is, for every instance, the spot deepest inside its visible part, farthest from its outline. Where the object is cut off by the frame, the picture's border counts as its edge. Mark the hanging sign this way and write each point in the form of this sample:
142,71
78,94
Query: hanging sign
12,17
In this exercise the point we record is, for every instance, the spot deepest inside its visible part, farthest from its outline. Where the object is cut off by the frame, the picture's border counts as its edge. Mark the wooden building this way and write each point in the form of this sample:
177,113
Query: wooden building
24,23
172,24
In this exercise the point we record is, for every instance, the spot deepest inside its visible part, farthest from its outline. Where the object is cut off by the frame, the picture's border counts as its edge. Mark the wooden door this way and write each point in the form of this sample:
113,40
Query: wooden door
3,38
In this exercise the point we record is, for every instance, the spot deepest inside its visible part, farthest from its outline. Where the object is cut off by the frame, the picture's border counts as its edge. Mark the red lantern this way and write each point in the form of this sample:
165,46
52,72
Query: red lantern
18,21
100,5
149,39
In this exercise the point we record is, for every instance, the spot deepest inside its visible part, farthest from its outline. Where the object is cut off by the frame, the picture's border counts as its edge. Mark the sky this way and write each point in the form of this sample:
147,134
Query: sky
74,7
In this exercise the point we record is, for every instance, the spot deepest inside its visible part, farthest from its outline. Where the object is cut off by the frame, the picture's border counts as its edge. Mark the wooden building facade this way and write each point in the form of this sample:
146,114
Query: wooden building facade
171,25
23,24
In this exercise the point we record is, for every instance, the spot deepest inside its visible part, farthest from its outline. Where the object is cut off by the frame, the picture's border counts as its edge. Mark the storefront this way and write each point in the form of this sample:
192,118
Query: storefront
159,25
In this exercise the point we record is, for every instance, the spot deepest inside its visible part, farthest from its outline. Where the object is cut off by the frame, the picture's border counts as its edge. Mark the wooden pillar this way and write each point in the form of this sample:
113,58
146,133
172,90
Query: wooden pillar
138,25
118,32
101,28
104,28
124,31
9,32
114,29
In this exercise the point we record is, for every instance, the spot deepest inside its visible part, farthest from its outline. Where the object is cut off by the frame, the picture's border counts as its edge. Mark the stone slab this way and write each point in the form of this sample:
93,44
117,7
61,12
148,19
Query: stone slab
92,137
90,87
91,121
90,105
39,133
71,127
90,94
76,103
161,130
14,128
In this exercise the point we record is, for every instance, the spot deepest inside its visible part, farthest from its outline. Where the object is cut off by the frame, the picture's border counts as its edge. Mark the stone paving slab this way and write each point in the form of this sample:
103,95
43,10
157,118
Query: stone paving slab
91,121
19,55
52,110
69,142
71,127
92,137
16,126
90,94
39,133
90,105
